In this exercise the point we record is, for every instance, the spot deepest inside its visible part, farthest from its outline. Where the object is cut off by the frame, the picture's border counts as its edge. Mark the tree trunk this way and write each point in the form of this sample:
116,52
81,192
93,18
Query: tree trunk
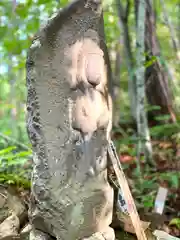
116,87
144,144
123,14
174,39
69,120
157,87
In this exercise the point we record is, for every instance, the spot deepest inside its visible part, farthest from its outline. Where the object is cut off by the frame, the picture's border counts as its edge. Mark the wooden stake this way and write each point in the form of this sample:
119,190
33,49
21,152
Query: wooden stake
126,192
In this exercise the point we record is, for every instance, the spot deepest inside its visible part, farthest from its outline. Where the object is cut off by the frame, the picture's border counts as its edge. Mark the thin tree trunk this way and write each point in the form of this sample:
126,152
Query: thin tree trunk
123,14
144,144
174,39
116,85
12,81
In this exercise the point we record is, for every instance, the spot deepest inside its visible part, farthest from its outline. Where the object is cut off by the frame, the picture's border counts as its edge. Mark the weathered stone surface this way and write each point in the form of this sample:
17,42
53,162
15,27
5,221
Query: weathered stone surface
69,118
13,214
9,228
4,210
16,205
24,234
39,235
11,203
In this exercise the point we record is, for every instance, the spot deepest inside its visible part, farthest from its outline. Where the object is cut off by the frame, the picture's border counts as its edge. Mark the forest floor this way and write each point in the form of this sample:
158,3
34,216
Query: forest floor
145,184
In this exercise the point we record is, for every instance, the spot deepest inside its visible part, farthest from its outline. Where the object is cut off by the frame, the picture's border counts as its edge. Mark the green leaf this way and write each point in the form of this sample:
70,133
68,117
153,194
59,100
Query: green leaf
169,129
23,154
7,150
176,222
150,62
151,108
175,180
148,201
3,30
42,2
163,118
22,10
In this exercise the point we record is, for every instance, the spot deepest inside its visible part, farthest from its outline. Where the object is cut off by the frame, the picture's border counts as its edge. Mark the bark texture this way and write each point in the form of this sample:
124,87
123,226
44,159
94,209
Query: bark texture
123,14
68,122
157,87
144,144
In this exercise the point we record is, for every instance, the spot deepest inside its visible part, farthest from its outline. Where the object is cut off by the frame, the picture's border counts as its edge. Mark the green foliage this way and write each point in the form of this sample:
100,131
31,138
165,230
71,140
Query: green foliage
176,222
145,191
150,62
165,130
12,164
172,178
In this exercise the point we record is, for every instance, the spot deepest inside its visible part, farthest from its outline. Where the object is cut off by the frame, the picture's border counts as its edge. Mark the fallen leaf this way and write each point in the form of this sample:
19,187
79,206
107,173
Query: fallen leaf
126,158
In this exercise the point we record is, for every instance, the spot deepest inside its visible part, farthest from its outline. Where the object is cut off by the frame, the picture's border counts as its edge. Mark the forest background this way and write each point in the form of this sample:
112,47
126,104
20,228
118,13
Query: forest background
145,84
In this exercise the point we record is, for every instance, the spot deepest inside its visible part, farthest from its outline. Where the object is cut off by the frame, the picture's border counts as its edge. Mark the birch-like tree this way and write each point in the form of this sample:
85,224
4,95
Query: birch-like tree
174,39
144,144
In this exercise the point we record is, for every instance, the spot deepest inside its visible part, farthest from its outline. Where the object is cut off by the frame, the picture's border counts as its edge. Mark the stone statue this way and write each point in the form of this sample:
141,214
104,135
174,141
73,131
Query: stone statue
69,113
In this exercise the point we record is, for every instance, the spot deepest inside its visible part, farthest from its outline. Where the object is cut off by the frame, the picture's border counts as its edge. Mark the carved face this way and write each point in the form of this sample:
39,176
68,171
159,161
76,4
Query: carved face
88,79
90,112
94,65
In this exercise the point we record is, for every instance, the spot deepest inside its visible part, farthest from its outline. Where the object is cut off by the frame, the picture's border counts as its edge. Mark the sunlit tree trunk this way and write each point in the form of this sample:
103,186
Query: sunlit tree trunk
144,144
116,85
174,39
12,100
